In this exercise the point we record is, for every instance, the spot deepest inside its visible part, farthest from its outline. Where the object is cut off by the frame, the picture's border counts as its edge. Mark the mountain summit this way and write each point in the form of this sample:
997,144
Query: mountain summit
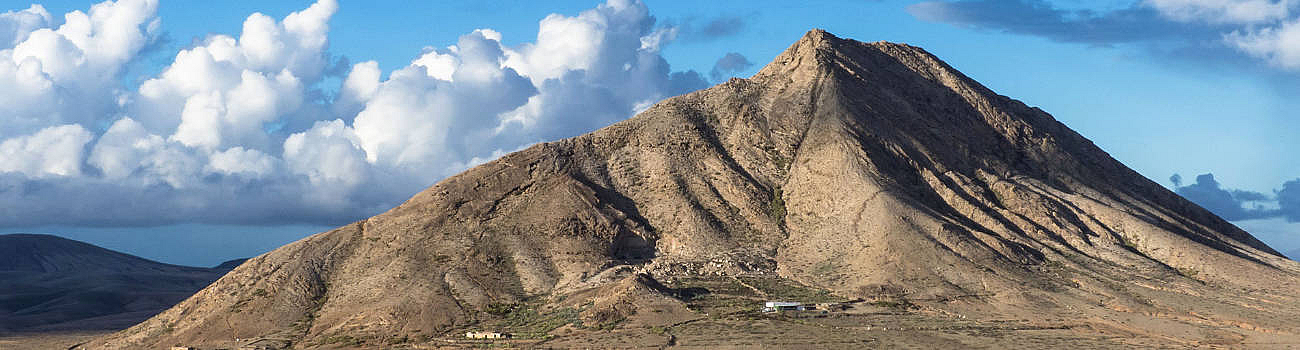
867,173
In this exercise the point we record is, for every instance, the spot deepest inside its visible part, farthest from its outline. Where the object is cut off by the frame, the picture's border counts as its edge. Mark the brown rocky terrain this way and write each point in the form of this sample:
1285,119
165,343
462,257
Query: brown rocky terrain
869,173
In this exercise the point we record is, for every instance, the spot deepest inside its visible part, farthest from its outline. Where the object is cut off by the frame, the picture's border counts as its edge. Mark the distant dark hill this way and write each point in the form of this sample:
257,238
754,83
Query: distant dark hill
230,264
24,252
53,283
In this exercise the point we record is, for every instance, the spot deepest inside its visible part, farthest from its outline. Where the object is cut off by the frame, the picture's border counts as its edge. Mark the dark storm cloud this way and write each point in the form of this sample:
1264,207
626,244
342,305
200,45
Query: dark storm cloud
1225,42
1249,196
721,27
729,65
702,29
1040,18
1232,204
77,202
1228,204
1288,201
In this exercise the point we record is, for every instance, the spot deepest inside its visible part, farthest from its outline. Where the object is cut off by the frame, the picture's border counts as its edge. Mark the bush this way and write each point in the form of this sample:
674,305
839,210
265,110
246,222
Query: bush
776,207
500,309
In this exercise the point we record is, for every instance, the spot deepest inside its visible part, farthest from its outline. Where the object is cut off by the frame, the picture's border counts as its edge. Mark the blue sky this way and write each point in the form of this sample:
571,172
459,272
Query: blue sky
1167,87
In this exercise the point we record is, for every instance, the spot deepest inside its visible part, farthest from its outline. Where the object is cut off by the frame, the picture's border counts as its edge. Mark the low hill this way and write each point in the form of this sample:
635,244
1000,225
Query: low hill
48,283
230,264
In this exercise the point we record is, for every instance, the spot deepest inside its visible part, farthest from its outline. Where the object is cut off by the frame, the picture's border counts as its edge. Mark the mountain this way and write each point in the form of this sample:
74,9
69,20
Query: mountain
48,283
230,264
873,174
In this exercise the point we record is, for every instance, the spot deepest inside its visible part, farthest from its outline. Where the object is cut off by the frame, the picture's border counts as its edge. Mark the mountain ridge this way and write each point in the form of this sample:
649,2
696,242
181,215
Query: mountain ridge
230,264
57,284
30,252
866,171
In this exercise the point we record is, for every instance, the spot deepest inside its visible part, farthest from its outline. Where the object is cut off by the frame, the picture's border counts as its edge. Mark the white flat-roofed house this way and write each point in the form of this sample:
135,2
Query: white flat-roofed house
776,306
487,335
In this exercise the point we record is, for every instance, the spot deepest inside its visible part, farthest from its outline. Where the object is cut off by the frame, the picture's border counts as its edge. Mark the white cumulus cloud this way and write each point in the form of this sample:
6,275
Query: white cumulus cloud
221,94
244,162
69,73
245,129
1265,29
53,151
1278,45
15,25
1224,11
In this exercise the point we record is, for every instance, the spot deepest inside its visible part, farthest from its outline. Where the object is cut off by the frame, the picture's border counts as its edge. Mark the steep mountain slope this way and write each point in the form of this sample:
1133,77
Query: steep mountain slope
53,283
862,170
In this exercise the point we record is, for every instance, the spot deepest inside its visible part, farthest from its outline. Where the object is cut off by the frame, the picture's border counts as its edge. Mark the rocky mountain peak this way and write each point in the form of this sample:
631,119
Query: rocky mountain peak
850,170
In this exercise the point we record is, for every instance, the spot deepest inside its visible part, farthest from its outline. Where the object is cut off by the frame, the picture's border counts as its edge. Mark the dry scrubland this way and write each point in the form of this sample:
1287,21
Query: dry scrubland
843,171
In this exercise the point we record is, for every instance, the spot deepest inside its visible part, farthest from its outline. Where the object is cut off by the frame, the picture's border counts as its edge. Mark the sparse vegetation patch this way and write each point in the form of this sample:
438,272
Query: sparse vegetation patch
776,206
526,321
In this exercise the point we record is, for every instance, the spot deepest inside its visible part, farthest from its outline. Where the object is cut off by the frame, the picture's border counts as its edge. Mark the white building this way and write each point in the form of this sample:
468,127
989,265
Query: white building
774,306
487,335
